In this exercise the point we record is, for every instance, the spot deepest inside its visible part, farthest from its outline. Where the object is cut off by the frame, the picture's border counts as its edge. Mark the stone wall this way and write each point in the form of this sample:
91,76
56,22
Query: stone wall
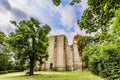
61,55
69,66
76,58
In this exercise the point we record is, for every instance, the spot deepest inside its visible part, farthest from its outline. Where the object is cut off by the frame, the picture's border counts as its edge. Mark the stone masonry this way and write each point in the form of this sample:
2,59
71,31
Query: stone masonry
61,55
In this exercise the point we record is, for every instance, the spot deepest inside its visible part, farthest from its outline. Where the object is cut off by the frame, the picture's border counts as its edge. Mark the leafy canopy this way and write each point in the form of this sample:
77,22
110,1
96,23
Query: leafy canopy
31,41
4,53
83,41
116,23
98,14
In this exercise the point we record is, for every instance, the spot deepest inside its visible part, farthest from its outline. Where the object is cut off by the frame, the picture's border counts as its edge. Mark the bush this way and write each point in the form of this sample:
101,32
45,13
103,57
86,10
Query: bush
103,59
3,72
11,71
3,62
89,50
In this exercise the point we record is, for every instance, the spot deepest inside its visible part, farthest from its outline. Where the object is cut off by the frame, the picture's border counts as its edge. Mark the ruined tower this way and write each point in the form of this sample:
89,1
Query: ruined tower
61,55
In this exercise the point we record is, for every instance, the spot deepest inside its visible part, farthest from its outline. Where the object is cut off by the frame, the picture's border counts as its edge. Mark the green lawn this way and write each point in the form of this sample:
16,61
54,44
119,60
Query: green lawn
51,75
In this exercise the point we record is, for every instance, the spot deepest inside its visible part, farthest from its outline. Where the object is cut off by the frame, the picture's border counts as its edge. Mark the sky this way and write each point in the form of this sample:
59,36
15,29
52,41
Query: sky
62,19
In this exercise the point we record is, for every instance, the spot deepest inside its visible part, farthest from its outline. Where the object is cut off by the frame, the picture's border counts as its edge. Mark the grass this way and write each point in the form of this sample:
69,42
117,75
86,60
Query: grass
51,75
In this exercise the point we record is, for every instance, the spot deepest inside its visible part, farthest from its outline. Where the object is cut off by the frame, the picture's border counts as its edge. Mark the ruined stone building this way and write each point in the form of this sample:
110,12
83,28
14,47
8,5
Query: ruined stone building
61,55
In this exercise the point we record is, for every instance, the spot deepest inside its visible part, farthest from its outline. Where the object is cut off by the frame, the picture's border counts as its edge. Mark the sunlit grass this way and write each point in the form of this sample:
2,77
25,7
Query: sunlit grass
51,75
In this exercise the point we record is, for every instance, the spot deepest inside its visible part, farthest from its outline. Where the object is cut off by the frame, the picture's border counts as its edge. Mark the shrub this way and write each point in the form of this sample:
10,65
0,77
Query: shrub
3,72
11,71
103,59
89,50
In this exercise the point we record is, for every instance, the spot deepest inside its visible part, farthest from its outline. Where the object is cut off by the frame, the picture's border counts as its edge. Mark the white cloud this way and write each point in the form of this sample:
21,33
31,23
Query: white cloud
67,15
46,12
57,32
5,18
21,4
62,32
78,31
84,5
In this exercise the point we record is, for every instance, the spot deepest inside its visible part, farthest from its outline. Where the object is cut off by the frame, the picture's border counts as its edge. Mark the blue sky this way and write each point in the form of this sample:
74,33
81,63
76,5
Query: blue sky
62,19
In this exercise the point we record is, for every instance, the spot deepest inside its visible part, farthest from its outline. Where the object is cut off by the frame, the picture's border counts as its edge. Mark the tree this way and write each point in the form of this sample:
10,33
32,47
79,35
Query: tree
103,58
31,41
83,41
97,15
2,37
116,23
4,62
4,56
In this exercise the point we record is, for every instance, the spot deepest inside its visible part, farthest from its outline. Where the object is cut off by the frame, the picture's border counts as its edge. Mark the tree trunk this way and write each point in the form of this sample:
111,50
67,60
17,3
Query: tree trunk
32,57
31,65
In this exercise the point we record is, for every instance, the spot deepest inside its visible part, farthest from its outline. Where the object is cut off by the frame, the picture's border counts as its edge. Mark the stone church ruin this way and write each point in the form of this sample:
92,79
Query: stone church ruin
61,55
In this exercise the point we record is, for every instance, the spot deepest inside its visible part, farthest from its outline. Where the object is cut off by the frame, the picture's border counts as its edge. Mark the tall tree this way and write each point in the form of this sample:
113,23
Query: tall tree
31,41
97,15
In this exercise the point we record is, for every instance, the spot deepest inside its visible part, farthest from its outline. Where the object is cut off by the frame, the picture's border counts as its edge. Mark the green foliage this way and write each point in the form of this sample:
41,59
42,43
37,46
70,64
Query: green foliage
11,71
2,37
116,23
4,62
3,72
75,1
19,65
30,42
83,41
98,14
88,51
8,71
103,59
4,53
57,2
103,37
